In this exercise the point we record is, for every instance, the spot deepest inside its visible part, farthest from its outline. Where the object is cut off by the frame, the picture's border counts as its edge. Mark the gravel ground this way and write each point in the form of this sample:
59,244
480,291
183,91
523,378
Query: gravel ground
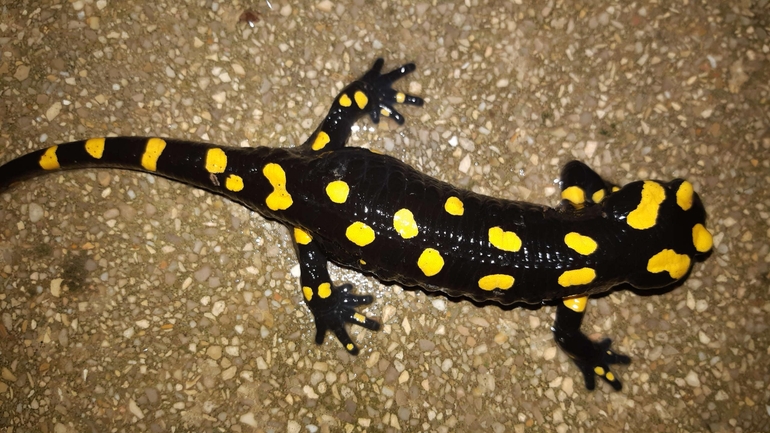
131,303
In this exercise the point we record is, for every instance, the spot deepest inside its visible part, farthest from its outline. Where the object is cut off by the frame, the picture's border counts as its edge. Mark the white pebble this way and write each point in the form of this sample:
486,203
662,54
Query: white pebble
248,419
220,97
134,409
218,308
692,379
35,212
56,287
325,6
286,10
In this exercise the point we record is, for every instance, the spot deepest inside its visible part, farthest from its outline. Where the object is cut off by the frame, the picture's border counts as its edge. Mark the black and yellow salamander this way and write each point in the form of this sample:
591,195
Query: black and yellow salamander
373,213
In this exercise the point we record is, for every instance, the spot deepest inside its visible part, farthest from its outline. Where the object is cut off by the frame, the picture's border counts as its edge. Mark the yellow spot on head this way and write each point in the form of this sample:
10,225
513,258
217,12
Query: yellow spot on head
49,160
454,206
577,277
338,191
400,97
345,100
216,160
574,195
302,237
582,244
503,240
403,222
496,281
667,260
308,292
430,262
598,370
598,196
361,99
279,199
234,183
324,290
95,147
152,152
360,234
646,213
701,238
321,140
684,195
577,304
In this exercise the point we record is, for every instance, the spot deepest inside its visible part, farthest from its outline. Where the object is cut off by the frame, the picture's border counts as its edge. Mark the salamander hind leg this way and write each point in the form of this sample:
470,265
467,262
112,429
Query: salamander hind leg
332,306
592,358
580,185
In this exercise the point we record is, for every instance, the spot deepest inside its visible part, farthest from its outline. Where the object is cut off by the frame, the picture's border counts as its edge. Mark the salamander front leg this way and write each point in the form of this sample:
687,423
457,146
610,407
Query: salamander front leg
332,306
592,358
581,185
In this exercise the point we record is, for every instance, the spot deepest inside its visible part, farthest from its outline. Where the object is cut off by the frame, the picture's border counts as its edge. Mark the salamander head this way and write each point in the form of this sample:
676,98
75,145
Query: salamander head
665,228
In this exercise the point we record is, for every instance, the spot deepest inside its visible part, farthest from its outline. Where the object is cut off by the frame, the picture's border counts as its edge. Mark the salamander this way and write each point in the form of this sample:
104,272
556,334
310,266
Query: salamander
375,214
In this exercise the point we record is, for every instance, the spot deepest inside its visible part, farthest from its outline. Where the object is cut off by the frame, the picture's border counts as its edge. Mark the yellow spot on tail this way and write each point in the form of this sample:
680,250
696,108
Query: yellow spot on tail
234,183
577,304
574,195
360,234
646,213
503,240
152,152
598,196
279,199
400,97
496,281
684,195
345,100
349,347
361,99
454,206
95,147
701,238
403,222
324,290
430,262
338,191
308,292
48,160
582,244
669,261
577,277
302,237
598,370
216,160
321,140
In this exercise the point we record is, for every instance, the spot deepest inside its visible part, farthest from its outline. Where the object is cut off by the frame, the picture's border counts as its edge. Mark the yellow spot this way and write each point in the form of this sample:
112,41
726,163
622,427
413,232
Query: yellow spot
400,97
598,196
321,140
506,241
308,292
152,152
302,237
577,304
684,195
701,238
234,183
582,244
216,160
667,260
496,281
404,223
349,347
360,234
644,216
48,160
362,261
615,189
385,112
345,100
279,199
361,99
574,195
430,262
360,318
95,147
337,191
454,206
598,370
577,277
324,290
610,376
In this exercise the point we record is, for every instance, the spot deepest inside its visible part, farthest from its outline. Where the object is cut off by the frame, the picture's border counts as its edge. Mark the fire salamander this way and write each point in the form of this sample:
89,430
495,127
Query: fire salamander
373,213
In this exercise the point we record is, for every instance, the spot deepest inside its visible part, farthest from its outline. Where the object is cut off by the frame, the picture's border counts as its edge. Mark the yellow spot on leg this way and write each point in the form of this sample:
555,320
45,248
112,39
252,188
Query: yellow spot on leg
360,318
496,281
216,160
684,195
152,152
360,234
506,241
582,244
598,370
577,304
701,238
338,191
302,237
577,277
646,214
308,292
667,260
48,160
279,199
430,262
574,194
454,206
610,376
234,183
321,140
95,147
598,196
324,290
403,222
361,99
400,97
345,100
